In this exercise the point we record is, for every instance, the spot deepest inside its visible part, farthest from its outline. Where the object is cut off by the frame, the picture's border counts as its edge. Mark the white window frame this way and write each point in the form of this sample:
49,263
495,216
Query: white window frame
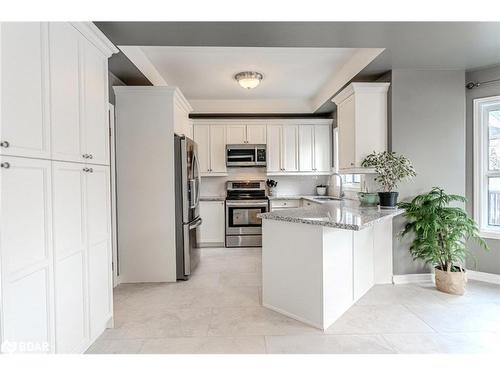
480,162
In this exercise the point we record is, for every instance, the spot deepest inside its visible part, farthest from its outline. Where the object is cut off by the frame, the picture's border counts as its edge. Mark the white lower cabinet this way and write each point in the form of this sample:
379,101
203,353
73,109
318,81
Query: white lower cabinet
26,249
100,284
55,254
82,244
212,228
70,256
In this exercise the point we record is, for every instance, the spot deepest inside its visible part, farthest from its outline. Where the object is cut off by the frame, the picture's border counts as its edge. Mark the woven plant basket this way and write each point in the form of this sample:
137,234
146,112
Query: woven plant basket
451,282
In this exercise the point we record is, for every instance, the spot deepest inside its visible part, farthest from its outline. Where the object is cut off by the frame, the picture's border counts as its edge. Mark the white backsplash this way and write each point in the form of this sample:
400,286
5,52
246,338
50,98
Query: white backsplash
287,185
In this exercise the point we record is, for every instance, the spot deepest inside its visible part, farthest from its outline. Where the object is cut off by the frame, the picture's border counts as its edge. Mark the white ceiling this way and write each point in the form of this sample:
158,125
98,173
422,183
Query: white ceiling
207,72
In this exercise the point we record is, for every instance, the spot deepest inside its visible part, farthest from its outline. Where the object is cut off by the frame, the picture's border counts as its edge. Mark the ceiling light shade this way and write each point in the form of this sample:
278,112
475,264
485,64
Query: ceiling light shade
249,80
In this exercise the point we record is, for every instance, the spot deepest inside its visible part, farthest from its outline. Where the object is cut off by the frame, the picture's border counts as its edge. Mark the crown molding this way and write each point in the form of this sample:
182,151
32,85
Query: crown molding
96,37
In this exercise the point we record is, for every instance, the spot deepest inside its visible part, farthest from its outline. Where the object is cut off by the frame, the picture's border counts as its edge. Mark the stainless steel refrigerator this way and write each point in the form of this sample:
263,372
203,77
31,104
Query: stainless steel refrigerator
187,202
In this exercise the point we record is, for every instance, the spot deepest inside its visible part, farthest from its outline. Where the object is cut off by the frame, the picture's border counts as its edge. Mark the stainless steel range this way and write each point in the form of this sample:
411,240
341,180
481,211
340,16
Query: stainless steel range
244,201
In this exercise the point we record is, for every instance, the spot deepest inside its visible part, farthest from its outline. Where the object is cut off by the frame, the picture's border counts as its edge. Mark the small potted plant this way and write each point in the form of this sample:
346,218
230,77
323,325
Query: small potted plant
440,234
390,168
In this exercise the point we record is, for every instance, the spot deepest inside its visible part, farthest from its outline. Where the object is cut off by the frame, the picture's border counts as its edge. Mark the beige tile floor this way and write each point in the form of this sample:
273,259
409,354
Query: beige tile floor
218,311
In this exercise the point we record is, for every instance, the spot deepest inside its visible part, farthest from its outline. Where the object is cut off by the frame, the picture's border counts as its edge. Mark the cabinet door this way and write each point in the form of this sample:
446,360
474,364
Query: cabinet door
24,122
274,148
95,113
68,197
26,252
65,93
322,149
212,228
201,135
256,134
306,143
290,148
218,148
99,249
236,134
346,125
363,262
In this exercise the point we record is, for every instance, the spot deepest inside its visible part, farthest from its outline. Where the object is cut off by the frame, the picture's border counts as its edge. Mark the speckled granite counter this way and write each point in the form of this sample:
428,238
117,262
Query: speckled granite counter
344,214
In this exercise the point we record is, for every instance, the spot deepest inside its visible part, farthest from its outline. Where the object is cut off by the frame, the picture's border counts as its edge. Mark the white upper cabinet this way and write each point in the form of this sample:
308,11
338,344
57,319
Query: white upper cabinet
24,122
95,102
256,134
79,97
218,148
246,134
201,135
290,147
362,123
211,141
314,148
66,93
236,134
282,148
322,148
306,148
273,148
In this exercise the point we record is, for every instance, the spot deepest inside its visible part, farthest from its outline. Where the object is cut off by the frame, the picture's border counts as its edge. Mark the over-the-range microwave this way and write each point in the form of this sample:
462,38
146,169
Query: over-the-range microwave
246,155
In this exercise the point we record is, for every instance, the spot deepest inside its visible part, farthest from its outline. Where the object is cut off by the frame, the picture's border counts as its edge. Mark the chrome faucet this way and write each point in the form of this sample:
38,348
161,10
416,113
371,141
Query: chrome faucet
341,190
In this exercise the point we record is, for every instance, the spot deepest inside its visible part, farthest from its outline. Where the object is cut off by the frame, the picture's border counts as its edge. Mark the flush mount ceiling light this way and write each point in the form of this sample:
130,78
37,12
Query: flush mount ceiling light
248,80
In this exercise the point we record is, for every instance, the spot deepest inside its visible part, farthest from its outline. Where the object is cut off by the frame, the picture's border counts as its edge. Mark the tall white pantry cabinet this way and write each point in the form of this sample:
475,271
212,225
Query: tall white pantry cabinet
55,214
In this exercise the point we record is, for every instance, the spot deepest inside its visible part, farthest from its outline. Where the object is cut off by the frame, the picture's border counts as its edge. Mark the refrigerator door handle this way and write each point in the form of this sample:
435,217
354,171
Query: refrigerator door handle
198,179
196,223
193,196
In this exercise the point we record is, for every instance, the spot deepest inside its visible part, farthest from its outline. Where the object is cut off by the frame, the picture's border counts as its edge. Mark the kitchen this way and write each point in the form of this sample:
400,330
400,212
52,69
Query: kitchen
239,199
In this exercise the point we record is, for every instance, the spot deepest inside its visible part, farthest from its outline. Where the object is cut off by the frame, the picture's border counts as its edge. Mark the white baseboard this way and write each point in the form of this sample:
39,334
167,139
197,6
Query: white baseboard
413,278
483,276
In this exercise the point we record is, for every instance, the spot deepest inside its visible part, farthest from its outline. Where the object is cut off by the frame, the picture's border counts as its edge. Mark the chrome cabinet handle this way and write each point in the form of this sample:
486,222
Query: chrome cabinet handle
5,165
90,156
4,144
85,156
85,169
89,170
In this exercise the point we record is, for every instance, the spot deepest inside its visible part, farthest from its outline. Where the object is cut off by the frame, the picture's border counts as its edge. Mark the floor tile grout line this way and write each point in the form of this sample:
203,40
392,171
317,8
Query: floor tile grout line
419,318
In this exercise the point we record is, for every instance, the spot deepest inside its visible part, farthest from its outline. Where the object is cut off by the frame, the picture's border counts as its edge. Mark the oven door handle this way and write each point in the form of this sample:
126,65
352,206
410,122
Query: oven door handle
246,204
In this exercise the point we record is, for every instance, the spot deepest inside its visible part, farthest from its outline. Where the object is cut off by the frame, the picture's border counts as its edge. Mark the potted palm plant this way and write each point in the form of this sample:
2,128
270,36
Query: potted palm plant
391,169
440,234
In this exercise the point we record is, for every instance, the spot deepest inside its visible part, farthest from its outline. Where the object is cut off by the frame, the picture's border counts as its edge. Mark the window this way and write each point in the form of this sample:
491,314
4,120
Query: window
487,165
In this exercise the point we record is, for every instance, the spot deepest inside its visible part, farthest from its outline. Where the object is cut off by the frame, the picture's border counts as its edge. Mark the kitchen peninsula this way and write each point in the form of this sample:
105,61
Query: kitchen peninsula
318,261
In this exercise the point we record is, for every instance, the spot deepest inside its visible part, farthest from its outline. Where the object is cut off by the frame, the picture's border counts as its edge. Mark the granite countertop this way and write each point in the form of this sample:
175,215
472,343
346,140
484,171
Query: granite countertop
312,198
216,198
345,214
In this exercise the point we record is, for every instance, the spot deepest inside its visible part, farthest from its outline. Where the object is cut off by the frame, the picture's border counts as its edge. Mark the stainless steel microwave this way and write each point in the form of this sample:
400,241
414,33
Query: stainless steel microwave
246,155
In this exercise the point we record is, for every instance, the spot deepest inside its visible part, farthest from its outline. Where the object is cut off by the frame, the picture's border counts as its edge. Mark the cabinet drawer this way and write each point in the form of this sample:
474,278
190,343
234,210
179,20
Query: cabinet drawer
307,203
285,203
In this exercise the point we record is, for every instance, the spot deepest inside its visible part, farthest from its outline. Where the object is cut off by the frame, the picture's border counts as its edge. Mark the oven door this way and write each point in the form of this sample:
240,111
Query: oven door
241,216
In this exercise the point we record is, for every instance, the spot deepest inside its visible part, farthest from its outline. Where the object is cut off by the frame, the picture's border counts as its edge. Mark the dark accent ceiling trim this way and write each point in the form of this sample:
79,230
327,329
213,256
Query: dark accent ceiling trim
257,115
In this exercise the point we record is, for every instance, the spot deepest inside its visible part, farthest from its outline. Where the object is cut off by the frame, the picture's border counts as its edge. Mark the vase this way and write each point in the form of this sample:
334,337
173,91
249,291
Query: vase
388,199
451,282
